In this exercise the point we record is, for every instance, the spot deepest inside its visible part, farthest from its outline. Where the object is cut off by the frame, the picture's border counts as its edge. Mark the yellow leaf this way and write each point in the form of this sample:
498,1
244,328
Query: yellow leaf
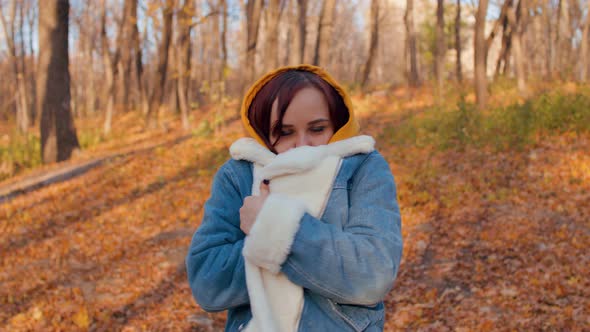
37,313
81,318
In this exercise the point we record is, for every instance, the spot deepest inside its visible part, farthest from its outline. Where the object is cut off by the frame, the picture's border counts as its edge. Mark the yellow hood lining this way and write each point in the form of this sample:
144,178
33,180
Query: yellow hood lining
350,128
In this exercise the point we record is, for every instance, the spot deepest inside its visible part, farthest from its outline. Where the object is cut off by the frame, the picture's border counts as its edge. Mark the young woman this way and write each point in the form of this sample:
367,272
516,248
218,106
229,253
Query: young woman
302,231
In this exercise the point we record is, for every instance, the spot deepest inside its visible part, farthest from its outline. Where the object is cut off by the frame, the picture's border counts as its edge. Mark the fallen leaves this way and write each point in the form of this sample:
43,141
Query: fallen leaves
492,241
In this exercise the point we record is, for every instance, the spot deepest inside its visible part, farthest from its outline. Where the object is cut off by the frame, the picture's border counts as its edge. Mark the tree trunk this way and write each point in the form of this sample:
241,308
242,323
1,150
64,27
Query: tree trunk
479,45
411,45
373,44
58,134
549,46
109,69
23,91
157,97
22,107
223,43
584,47
558,47
32,20
129,11
272,12
141,95
459,70
183,59
440,49
302,19
325,22
253,11
515,20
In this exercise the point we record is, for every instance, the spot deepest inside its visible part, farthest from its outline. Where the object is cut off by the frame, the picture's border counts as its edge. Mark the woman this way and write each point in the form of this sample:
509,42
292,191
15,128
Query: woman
335,235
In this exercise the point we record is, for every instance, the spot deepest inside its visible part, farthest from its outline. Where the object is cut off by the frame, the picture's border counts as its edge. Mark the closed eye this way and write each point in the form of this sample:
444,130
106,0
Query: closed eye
286,132
317,129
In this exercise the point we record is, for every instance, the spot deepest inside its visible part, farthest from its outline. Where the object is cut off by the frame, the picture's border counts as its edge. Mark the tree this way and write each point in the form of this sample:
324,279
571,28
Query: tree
253,11
157,96
129,22
58,134
583,76
373,44
459,71
111,62
17,63
273,13
322,45
440,48
479,46
302,19
140,91
183,54
411,45
516,20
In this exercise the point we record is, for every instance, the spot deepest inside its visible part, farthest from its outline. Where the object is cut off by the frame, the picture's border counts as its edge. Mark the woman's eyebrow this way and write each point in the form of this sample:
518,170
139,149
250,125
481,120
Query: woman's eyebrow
317,121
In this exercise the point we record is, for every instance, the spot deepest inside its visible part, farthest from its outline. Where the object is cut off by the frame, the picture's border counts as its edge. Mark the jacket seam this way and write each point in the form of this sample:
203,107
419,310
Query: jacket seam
312,281
367,157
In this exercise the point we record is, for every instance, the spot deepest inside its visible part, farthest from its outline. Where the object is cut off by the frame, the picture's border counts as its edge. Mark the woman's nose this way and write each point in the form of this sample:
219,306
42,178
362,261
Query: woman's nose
302,140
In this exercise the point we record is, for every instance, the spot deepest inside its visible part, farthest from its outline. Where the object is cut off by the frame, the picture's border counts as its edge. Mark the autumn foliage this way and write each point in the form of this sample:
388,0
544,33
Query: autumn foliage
496,236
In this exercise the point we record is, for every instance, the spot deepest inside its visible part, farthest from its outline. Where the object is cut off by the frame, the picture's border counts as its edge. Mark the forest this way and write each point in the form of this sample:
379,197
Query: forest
116,114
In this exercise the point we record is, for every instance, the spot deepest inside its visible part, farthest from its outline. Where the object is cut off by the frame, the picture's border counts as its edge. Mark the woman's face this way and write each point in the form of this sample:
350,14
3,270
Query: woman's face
306,121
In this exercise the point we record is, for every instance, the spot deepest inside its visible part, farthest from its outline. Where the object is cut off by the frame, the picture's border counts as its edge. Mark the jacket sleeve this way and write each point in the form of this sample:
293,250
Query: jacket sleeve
358,262
215,265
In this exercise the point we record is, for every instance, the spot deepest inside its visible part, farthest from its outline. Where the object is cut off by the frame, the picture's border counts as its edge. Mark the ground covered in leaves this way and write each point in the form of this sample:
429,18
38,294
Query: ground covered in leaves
494,240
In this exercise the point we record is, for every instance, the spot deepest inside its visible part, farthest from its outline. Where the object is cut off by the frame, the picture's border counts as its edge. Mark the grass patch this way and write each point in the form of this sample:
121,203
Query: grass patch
513,126
21,152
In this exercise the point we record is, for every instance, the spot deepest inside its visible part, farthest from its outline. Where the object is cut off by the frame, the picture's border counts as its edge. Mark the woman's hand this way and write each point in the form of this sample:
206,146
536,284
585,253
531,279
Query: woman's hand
252,205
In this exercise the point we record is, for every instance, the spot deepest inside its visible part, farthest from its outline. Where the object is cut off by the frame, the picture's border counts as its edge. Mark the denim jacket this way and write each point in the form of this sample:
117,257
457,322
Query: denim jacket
346,261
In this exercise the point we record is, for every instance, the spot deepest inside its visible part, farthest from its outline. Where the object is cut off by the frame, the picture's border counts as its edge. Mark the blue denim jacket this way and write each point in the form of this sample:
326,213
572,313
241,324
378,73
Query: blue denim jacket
346,261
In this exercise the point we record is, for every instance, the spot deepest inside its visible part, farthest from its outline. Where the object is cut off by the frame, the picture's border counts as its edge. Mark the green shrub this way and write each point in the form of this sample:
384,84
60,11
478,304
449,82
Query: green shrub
89,138
513,126
22,152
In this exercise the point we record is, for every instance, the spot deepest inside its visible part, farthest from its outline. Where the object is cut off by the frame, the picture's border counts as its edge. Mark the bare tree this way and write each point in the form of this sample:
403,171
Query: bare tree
501,22
302,19
17,63
157,96
516,20
459,71
440,48
110,67
562,45
253,13
322,45
479,45
273,12
140,91
183,54
58,134
373,44
129,22
583,70
411,45
224,15
32,20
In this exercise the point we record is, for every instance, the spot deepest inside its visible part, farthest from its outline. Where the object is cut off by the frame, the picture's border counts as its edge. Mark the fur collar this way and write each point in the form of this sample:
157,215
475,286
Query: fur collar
298,159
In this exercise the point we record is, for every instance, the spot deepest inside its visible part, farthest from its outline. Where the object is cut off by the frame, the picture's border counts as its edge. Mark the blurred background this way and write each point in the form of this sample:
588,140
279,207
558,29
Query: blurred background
116,114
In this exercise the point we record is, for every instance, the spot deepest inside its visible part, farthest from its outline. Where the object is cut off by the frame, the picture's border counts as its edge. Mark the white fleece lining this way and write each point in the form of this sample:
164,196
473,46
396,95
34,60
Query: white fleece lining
300,158
271,236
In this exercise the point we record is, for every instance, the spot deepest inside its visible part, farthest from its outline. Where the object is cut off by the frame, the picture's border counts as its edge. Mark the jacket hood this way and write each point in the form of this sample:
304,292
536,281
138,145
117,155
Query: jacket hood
350,128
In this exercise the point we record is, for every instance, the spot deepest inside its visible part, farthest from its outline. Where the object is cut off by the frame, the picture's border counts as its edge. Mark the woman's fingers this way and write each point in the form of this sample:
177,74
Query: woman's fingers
264,188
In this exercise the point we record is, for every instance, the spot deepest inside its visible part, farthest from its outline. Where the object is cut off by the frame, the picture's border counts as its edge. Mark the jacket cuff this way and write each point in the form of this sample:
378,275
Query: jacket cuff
271,236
